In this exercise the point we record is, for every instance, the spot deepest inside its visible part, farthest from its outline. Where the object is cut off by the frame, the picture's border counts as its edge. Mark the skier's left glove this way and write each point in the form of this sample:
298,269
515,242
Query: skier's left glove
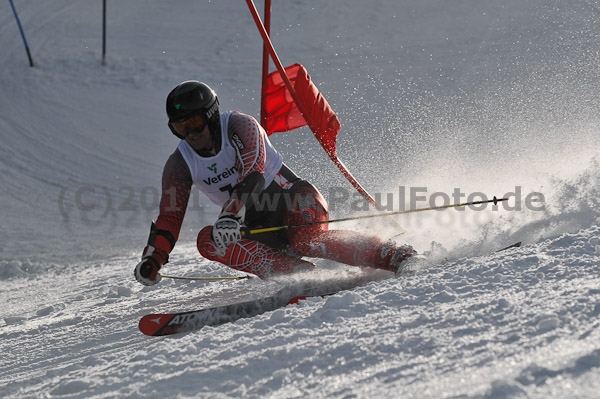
227,228
146,272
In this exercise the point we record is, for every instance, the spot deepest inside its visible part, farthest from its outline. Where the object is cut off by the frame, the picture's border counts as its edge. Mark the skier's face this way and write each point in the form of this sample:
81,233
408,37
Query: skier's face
195,131
199,140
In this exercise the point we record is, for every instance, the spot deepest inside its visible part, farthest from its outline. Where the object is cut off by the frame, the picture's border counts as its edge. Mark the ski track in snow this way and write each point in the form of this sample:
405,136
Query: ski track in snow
483,95
519,322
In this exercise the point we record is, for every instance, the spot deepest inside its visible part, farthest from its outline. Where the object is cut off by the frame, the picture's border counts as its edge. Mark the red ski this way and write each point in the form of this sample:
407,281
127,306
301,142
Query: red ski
173,323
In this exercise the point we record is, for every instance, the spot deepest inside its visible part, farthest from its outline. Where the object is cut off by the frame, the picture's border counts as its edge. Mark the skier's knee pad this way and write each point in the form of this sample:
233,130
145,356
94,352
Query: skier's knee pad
304,195
309,206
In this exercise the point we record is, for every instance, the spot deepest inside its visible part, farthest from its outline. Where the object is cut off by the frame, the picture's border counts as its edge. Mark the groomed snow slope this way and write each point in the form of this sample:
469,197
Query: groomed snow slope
478,95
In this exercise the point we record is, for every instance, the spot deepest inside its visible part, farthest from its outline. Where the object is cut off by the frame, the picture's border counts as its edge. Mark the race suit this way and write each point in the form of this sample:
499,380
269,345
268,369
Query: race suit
284,199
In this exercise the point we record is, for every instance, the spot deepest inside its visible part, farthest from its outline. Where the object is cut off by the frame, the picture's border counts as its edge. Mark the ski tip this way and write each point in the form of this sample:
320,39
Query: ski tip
295,300
515,245
152,324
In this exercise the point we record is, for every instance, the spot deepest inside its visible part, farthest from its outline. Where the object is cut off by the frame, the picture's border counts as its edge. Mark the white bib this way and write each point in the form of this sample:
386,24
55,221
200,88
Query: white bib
217,175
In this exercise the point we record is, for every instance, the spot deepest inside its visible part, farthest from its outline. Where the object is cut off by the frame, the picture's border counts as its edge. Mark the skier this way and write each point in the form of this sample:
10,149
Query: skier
229,157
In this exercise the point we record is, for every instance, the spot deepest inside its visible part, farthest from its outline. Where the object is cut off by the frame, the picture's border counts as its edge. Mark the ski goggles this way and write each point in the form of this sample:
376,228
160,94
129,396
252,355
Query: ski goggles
192,124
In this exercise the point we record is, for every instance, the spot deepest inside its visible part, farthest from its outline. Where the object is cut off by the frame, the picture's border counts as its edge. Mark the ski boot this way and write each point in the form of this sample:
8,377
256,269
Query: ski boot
402,260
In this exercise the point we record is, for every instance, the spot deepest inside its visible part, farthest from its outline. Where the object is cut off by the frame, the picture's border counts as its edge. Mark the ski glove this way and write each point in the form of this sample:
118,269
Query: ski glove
146,272
227,228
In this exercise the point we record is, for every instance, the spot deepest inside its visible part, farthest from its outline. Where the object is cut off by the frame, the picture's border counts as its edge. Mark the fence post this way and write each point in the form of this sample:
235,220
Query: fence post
22,33
103,32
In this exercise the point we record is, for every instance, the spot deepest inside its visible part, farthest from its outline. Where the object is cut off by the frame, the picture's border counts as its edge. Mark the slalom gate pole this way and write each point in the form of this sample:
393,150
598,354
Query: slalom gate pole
265,64
288,84
22,33
207,278
271,50
269,229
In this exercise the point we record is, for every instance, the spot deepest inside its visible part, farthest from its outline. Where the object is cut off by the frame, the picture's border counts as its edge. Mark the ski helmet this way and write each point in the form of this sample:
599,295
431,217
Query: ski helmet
192,98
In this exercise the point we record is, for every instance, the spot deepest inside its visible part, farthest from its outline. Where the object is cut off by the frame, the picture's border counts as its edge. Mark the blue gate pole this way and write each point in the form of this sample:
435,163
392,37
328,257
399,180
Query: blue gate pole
104,32
22,33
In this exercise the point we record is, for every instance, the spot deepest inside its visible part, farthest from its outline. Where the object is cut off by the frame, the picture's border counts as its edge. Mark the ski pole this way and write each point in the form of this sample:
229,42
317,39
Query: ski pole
269,229
206,278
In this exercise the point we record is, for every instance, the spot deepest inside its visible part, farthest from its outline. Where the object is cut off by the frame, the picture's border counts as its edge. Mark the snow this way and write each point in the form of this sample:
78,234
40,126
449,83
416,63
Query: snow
485,96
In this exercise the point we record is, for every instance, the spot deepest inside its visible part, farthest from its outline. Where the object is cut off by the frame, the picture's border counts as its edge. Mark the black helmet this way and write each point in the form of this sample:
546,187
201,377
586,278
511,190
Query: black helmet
192,98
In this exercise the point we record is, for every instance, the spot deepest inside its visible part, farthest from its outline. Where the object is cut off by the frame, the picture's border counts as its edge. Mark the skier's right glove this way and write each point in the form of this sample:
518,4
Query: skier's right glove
227,228
146,272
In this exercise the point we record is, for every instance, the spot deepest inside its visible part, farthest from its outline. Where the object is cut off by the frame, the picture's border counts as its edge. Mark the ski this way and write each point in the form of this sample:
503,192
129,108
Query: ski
158,324
178,322
173,323
515,245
